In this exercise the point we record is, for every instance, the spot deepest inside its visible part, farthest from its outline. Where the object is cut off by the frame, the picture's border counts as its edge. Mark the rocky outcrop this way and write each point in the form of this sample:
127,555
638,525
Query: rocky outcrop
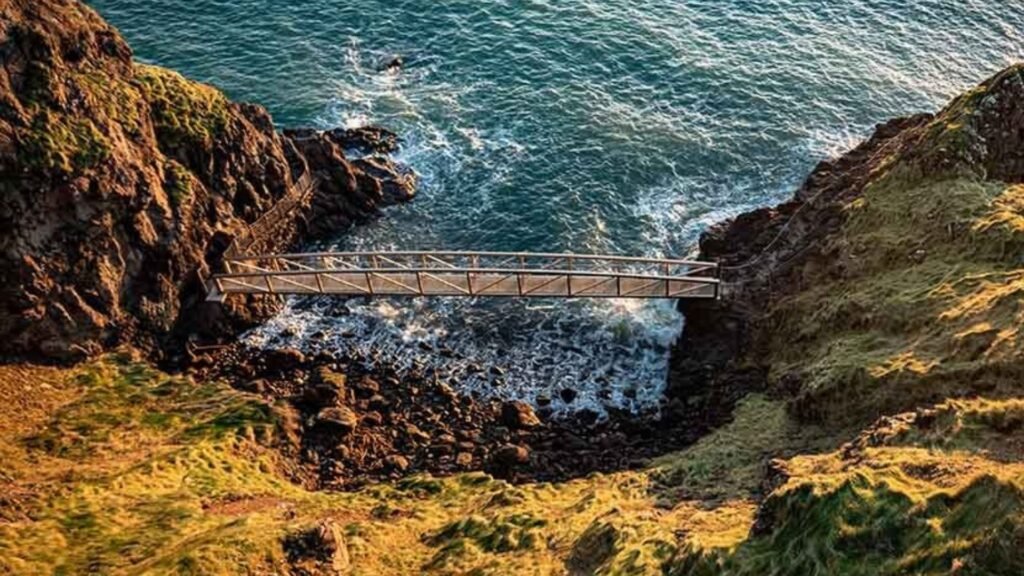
121,184
835,237
350,191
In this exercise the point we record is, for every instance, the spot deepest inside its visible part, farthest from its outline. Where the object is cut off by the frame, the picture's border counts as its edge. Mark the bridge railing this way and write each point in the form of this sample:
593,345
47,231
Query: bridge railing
453,273
259,232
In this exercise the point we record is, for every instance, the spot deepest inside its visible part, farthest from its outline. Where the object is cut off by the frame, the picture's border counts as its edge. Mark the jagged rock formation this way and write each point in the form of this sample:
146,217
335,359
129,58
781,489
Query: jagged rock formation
833,298
122,183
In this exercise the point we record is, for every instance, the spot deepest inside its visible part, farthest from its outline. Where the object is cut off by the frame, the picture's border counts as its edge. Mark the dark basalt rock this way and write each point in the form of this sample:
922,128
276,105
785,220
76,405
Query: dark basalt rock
338,420
518,415
321,547
367,139
511,455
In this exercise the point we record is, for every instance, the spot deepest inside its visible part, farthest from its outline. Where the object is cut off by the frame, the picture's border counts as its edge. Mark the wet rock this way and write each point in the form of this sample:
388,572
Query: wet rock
366,139
337,420
393,64
379,403
497,371
511,455
326,388
283,359
543,400
587,417
414,433
568,395
518,415
464,459
367,387
446,391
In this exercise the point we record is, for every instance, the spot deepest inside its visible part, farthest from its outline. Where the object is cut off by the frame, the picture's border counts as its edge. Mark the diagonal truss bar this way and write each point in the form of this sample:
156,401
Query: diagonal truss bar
363,289
595,285
260,289
548,282
447,283
641,287
272,274
480,289
395,282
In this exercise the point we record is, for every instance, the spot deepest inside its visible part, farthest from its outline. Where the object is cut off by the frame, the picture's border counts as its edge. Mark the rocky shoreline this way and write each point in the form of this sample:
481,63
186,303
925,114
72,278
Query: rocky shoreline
852,403
358,425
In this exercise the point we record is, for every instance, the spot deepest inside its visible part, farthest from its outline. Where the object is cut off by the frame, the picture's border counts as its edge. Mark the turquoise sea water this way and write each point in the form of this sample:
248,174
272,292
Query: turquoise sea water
622,126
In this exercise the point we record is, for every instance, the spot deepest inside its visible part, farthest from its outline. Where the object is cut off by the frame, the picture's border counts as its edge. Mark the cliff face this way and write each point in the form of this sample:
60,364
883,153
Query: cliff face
890,278
881,311
121,184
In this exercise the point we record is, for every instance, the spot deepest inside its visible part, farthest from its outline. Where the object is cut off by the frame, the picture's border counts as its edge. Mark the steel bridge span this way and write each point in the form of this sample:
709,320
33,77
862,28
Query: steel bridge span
467,274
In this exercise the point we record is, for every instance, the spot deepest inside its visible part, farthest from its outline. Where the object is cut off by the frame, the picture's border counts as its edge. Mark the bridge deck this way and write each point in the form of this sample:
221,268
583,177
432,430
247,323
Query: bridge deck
466,274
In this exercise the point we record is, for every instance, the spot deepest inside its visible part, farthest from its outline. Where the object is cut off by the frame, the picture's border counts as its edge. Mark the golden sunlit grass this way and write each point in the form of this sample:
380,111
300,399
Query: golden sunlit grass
129,470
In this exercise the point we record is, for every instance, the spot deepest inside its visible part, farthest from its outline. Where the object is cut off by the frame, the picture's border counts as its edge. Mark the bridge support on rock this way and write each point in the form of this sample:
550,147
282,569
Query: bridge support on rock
467,274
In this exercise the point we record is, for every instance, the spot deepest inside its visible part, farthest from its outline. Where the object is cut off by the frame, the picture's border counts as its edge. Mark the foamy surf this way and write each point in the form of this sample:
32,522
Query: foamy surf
564,355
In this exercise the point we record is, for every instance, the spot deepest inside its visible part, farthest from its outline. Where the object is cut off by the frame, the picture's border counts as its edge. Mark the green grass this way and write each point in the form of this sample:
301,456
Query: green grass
184,113
62,143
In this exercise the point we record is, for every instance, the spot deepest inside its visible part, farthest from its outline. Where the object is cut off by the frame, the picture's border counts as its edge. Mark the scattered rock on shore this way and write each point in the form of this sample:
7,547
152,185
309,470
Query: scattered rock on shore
337,419
519,415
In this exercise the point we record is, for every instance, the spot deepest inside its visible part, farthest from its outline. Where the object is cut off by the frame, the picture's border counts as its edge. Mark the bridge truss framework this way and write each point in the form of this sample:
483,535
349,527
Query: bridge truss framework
467,274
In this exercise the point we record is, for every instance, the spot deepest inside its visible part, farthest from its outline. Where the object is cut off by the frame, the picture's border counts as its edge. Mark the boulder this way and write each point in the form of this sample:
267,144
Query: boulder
511,455
397,463
595,547
326,388
519,415
337,420
283,359
366,387
322,546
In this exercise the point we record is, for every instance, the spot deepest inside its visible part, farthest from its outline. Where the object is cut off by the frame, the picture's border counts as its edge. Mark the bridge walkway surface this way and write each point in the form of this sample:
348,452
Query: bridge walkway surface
467,274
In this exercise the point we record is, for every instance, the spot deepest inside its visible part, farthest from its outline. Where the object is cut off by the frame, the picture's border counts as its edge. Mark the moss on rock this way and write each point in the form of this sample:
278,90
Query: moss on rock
184,112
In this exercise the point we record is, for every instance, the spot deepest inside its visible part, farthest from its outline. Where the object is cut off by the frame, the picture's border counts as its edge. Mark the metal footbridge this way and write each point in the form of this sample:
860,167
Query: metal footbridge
439,273
467,274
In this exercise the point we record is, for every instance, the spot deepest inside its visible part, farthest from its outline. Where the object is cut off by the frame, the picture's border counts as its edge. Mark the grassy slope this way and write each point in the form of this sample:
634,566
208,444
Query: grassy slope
123,469
923,301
